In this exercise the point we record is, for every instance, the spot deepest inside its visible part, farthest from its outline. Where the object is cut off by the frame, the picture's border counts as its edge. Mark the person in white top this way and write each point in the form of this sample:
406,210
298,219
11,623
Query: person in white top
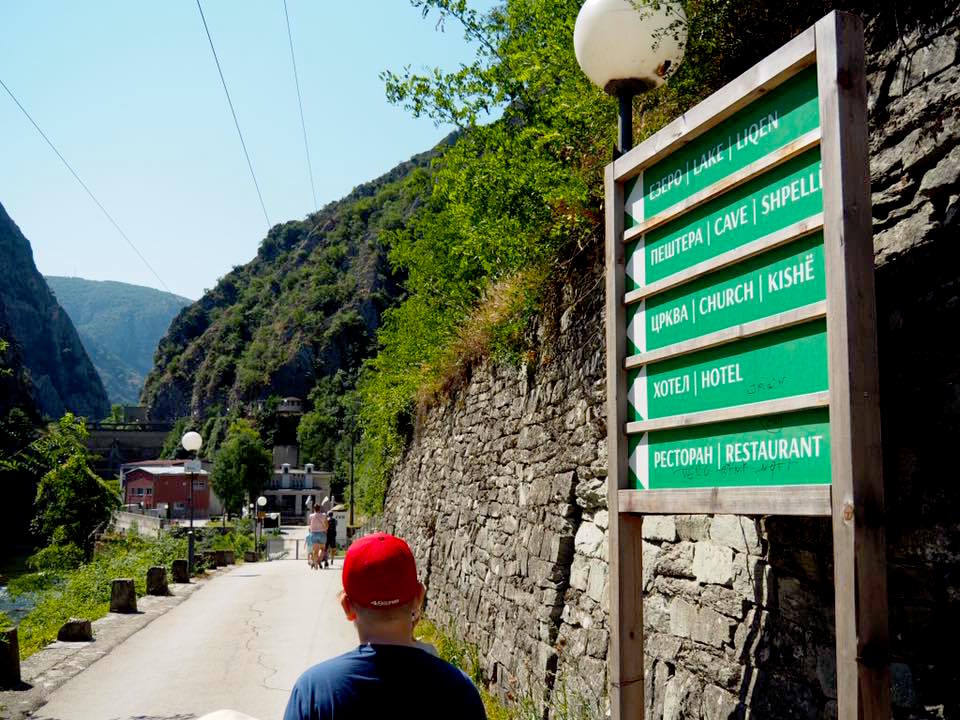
317,536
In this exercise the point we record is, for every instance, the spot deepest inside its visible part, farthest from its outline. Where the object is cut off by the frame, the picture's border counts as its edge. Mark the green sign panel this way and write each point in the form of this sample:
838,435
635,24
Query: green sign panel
788,277
788,449
776,365
777,199
765,125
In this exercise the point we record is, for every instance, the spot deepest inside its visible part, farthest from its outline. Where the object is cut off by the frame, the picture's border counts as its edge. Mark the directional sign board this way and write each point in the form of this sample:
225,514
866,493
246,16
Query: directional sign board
741,344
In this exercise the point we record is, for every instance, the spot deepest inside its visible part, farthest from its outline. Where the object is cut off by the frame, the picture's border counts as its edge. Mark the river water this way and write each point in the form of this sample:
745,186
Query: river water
16,607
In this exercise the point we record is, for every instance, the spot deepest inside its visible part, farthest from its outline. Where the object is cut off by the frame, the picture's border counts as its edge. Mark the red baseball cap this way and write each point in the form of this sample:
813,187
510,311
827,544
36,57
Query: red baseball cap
379,571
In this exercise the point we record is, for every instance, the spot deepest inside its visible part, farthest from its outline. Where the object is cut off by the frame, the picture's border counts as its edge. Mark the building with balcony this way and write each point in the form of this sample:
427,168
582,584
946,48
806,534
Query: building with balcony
291,487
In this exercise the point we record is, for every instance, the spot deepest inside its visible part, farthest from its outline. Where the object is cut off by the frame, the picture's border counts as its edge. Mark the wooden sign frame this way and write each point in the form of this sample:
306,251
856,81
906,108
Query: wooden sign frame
854,499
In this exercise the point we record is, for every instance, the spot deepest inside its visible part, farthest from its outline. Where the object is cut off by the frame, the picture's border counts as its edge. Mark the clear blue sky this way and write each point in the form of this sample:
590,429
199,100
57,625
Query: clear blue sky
129,93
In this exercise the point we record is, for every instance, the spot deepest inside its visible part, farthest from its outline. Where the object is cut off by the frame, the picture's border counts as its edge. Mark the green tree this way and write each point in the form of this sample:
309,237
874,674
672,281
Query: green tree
72,502
242,466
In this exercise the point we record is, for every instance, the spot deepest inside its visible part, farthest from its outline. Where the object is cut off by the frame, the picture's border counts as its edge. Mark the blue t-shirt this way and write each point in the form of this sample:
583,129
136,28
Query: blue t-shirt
382,681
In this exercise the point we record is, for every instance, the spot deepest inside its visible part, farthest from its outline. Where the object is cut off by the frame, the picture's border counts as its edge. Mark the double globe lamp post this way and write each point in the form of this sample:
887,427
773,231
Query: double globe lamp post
627,47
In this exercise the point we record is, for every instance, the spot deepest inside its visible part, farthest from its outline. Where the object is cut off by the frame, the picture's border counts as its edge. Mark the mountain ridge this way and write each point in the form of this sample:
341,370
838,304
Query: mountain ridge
120,325
307,306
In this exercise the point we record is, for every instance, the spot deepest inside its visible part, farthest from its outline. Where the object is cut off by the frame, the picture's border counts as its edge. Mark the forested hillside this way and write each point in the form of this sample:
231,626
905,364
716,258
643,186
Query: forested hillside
298,320
62,376
120,325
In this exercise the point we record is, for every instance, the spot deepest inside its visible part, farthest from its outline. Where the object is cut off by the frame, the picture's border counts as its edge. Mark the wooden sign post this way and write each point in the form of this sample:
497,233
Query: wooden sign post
741,341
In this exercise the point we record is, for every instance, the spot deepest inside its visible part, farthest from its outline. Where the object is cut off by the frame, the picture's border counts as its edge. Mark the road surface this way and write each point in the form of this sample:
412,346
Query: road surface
240,643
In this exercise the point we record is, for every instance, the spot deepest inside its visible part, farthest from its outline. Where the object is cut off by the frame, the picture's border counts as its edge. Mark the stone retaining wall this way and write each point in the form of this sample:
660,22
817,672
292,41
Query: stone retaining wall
502,492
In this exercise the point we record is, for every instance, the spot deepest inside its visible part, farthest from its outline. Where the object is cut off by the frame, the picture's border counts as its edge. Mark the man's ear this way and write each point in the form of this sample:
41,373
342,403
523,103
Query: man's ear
347,606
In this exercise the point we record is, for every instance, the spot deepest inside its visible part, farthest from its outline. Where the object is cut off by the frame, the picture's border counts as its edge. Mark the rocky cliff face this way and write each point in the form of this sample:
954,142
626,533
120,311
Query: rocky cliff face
62,375
503,491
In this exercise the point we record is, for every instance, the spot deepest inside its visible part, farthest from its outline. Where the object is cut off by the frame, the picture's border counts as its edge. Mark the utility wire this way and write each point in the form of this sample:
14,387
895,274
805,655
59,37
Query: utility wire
234,113
84,186
303,124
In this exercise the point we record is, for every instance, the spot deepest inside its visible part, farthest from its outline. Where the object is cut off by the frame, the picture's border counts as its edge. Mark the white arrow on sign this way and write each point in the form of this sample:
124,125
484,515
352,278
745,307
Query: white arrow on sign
637,327
639,462
633,202
637,263
637,394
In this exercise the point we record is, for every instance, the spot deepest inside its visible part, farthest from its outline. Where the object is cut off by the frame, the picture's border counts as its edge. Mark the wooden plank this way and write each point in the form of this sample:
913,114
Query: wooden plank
737,255
625,658
735,412
731,181
814,311
738,93
807,500
863,645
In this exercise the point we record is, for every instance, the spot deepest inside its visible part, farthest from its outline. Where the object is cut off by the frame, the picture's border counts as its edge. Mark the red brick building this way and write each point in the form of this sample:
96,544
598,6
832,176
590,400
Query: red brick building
153,485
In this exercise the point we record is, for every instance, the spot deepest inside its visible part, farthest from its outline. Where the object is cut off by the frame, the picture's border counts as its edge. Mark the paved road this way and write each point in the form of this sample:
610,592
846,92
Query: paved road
240,643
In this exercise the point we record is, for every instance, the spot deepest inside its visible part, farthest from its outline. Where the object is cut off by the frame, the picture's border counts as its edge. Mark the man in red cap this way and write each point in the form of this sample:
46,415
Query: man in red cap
388,675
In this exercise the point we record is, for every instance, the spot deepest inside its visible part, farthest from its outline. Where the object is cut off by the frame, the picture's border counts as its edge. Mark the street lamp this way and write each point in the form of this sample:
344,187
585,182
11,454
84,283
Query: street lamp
261,503
191,442
627,47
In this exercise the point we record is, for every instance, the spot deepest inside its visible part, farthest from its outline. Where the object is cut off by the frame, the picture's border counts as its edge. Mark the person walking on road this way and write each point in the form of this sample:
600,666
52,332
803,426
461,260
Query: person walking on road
382,598
331,548
317,537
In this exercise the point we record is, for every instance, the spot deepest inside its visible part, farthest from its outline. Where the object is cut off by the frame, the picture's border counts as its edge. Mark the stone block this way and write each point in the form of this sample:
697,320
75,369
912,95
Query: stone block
650,554
597,584
692,527
591,541
123,596
9,659
230,557
724,600
734,531
601,519
902,693
712,628
683,697
676,560
660,528
157,581
944,176
713,563
827,671
75,630
181,571
718,704
579,572
683,617
754,580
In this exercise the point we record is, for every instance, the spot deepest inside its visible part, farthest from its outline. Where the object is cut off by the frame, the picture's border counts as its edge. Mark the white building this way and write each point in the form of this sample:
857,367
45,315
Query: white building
290,487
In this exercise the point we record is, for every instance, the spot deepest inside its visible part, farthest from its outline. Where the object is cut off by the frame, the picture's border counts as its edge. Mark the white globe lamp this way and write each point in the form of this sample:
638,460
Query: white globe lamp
627,47
191,441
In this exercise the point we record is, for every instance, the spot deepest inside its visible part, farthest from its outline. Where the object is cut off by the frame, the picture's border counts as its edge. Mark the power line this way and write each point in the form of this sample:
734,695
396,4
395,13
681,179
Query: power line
234,113
84,186
303,124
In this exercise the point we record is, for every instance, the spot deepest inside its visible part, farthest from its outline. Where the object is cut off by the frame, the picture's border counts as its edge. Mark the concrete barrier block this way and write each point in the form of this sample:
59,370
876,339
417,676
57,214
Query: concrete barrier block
76,630
230,557
123,596
9,659
221,557
249,556
181,571
157,581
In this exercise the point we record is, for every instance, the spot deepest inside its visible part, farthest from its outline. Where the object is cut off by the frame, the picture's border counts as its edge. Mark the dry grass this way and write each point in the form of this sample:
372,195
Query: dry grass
503,302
